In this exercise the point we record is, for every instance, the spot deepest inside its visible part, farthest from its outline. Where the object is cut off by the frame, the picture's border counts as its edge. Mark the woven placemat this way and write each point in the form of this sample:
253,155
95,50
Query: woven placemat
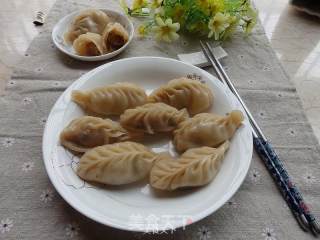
30,208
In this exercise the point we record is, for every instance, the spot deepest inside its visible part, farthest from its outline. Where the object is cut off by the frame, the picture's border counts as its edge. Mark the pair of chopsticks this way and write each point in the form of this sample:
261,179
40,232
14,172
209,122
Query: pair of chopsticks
289,191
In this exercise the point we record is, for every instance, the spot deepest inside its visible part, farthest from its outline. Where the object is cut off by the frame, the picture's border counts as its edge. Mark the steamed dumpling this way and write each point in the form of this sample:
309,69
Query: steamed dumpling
110,100
153,117
89,44
186,93
206,129
90,20
196,167
114,37
85,133
116,164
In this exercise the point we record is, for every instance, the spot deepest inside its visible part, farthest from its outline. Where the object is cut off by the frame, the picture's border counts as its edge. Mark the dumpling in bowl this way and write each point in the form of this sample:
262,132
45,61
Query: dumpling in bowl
89,44
110,100
91,20
85,133
114,37
206,129
196,167
153,117
116,164
186,93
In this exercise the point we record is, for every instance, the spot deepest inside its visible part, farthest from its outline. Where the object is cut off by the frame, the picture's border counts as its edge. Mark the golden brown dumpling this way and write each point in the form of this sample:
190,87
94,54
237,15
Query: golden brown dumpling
116,164
195,167
186,93
110,100
85,133
153,117
206,129
91,20
89,44
114,37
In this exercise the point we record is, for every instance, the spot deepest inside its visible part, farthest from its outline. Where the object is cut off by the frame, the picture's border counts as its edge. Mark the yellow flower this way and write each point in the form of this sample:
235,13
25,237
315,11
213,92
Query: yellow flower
219,23
142,30
232,28
156,3
137,4
159,12
124,6
166,30
178,13
203,4
250,19
211,7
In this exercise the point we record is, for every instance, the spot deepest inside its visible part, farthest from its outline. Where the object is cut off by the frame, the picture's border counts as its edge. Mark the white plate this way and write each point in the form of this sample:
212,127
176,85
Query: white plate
63,25
121,206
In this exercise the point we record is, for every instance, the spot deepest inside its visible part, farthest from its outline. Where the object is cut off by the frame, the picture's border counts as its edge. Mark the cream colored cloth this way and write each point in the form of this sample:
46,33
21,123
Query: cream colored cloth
30,208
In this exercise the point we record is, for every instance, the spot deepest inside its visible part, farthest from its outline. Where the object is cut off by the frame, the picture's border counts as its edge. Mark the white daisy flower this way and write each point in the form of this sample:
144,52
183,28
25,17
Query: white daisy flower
310,178
269,234
43,121
11,83
72,229
46,196
266,68
6,225
27,166
7,142
232,204
204,233
254,175
26,100
56,84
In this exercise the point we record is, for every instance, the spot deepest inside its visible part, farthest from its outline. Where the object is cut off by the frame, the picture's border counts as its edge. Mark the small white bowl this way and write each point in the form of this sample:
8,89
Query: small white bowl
63,25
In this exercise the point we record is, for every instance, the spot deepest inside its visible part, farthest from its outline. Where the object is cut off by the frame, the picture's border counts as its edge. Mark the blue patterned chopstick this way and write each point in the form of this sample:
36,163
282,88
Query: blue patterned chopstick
259,145
292,187
275,166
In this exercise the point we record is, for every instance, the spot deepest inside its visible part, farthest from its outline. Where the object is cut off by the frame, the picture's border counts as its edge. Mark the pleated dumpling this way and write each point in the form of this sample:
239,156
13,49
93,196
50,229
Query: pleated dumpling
89,44
152,117
85,133
116,164
114,37
195,167
186,93
110,100
91,20
206,129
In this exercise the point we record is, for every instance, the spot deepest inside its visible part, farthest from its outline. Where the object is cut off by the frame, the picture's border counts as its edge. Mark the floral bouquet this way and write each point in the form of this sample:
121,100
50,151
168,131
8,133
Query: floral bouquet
216,19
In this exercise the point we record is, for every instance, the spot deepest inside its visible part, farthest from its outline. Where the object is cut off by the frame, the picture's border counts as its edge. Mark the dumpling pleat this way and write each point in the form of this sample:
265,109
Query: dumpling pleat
114,37
89,44
196,167
181,93
116,164
91,20
152,117
110,100
206,129
84,133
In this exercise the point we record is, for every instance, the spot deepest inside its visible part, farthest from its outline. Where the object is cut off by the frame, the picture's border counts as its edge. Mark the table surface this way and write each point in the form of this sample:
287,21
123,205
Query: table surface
31,208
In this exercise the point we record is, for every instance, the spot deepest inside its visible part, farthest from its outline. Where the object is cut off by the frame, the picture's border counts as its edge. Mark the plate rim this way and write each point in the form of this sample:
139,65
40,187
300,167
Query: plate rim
92,58
114,223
